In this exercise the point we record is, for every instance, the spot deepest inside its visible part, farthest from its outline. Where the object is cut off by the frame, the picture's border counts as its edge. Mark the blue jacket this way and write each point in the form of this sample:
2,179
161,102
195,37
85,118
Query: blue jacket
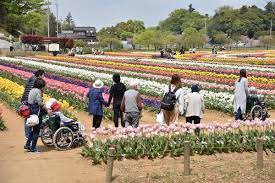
96,102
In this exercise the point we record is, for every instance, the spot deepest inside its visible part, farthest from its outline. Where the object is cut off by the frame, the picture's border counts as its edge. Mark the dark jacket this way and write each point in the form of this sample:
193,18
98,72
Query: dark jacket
116,93
28,88
96,102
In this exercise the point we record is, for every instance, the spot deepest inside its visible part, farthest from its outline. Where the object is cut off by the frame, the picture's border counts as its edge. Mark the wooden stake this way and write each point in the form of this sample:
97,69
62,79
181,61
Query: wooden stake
187,157
259,148
110,162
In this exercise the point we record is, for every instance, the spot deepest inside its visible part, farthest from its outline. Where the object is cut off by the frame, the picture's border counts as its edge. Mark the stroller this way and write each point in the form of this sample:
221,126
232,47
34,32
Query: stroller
61,132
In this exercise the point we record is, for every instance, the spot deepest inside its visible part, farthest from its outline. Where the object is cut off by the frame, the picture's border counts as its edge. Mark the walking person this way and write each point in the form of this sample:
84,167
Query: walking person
116,94
194,105
132,105
172,103
28,87
240,95
35,101
96,102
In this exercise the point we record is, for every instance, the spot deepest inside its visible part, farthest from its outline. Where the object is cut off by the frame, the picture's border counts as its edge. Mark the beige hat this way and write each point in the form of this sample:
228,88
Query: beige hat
98,84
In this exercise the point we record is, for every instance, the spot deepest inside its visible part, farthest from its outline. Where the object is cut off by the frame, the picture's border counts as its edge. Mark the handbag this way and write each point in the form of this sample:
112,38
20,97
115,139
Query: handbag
33,120
160,118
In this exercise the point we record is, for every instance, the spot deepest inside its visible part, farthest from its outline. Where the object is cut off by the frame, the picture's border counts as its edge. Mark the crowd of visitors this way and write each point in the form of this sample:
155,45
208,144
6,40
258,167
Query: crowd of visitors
127,104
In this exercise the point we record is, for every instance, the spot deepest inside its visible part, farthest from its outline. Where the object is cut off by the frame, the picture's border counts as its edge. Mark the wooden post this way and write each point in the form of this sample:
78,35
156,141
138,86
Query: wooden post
187,157
259,148
273,169
110,161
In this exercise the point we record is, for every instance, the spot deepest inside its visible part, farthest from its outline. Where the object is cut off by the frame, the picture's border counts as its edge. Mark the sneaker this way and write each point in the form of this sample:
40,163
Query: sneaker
34,151
27,148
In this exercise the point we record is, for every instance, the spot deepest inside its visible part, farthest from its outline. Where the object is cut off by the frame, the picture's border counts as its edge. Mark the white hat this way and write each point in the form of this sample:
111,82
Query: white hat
253,89
133,83
50,102
98,84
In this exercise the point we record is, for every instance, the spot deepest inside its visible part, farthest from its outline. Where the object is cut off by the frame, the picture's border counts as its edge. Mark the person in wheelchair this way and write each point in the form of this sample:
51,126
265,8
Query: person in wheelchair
255,107
253,98
59,130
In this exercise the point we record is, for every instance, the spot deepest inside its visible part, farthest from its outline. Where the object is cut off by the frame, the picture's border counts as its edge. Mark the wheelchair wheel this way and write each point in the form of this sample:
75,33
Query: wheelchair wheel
256,112
47,136
63,138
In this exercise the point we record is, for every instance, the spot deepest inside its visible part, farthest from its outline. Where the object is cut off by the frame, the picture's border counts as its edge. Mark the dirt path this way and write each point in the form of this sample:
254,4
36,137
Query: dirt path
51,166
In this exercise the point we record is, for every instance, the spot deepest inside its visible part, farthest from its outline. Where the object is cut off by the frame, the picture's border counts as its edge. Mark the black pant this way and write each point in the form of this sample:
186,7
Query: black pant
97,121
196,120
118,114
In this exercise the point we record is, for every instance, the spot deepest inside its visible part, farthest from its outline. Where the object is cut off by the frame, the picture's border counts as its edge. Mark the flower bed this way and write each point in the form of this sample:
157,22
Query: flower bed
2,123
154,141
11,92
188,72
214,100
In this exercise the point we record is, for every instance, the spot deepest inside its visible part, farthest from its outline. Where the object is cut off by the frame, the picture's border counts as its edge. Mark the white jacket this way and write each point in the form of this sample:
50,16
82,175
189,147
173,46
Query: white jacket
240,95
179,95
194,105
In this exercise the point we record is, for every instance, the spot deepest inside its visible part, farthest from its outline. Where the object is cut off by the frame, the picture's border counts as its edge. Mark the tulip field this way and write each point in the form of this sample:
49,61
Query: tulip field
69,79
2,124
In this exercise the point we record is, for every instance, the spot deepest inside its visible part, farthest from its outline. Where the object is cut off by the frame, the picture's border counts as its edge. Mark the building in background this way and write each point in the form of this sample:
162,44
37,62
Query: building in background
87,34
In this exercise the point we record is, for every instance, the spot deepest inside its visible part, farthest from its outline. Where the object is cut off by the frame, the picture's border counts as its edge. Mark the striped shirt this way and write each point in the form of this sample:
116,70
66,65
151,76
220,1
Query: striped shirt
28,88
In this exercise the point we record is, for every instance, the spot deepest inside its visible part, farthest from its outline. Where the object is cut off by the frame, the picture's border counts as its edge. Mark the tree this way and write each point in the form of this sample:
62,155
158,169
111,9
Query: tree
68,24
169,39
192,38
270,7
144,38
190,8
181,19
79,43
13,13
221,38
266,41
33,23
107,37
245,21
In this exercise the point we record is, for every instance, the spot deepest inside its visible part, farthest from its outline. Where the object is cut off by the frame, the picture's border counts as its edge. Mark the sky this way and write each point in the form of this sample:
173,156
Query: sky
102,13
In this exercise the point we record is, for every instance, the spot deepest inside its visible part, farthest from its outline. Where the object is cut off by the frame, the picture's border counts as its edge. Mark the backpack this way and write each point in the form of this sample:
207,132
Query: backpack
169,100
24,110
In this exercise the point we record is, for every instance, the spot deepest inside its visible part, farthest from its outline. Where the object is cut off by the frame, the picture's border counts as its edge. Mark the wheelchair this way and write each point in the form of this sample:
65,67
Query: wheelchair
257,111
61,136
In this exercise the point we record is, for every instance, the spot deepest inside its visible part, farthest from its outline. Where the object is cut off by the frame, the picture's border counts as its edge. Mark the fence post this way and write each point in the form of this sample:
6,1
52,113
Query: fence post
110,162
187,157
273,169
259,148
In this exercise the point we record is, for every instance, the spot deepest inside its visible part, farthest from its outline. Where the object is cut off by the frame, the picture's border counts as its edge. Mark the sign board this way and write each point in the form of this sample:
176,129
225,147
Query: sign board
53,47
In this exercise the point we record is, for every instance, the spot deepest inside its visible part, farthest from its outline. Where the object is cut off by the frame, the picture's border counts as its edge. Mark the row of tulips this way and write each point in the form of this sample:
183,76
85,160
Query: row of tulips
202,68
252,61
11,92
168,71
237,66
2,123
158,75
78,92
160,141
214,100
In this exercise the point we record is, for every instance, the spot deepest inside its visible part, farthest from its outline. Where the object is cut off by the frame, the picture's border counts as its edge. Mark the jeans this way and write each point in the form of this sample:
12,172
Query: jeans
97,121
27,130
117,114
132,119
196,120
239,115
33,135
